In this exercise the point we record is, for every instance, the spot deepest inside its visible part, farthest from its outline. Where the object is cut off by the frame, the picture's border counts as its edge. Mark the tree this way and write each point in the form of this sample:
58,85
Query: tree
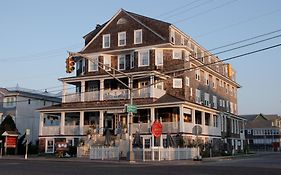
8,124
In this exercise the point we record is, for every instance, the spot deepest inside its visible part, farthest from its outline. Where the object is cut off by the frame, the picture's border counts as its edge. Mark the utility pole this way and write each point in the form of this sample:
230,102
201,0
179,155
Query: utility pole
131,152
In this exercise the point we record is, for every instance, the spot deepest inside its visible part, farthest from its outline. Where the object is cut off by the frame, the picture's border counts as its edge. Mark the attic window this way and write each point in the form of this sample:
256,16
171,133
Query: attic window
122,21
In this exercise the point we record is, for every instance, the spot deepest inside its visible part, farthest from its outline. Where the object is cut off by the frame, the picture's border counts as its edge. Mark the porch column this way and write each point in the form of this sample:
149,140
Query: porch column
212,120
64,91
181,124
41,124
151,87
62,123
225,123
82,91
101,120
193,116
101,89
203,118
81,124
152,117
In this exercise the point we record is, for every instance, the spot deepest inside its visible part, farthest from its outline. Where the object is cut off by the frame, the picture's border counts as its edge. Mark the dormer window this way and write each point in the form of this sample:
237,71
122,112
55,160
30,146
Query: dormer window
138,36
106,41
172,36
121,38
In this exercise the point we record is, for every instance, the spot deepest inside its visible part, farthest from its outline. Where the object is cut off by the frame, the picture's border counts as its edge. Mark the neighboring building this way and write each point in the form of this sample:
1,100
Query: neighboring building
263,132
151,51
21,104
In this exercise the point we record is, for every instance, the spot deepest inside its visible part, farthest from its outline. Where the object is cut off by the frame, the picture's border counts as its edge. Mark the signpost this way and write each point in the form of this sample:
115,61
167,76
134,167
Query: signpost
27,133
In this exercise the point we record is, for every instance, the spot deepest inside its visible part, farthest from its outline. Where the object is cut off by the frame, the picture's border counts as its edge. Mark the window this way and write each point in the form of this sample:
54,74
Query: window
9,102
132,61
159,85
172,36
49,146
187,81
107,63
214,82
138,36
121,38
215,120
106,41
121,62
144,58
177,54
215,102
177,83
207,99
93,65
207,79
159,57
198,96
182,40
197,75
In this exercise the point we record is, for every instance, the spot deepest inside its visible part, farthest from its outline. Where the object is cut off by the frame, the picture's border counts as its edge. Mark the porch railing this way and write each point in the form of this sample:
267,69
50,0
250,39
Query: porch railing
51,130
71,130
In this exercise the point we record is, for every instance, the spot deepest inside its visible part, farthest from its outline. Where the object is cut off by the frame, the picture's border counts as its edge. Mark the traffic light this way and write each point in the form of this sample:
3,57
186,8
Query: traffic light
70,65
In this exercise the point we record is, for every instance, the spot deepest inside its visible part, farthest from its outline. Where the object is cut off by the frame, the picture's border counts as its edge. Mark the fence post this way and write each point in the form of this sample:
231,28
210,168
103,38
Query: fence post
159,158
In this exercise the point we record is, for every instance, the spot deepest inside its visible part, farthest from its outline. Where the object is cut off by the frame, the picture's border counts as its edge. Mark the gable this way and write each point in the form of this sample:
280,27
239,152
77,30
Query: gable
126,22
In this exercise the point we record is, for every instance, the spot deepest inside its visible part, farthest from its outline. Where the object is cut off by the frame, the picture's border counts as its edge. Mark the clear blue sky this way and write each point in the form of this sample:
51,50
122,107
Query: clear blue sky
35,36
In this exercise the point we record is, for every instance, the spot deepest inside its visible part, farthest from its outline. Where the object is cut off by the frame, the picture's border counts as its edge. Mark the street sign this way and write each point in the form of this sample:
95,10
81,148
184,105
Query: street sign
156,129
27,131
131,108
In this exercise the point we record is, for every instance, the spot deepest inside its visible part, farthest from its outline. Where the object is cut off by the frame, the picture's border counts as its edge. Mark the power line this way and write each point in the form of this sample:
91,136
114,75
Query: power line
193,68
206,11
188,10
244,40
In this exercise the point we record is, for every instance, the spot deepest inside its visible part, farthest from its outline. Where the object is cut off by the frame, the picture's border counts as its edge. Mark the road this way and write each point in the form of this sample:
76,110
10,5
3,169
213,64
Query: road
257,165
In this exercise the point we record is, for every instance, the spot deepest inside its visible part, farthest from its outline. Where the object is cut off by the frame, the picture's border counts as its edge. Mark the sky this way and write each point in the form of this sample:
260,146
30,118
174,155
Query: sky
36,35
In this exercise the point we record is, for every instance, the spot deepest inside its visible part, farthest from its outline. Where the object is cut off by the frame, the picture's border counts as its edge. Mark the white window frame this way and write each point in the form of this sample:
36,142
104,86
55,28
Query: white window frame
206,99
103,41
121,37
175,54
198,96
136,32
159,85
172,36
46,146
119,58
197,74
182,40
187,81
107,60
140,59
93,64
215,103
207,82
9,102
132,60
177,82
159,57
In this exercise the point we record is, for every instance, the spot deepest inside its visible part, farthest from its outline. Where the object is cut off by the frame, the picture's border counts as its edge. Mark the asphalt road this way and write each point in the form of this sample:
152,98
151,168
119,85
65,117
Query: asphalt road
257,165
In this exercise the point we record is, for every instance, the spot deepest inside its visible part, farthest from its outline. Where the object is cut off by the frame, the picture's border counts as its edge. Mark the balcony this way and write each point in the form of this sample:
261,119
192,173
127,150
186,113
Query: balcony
71,130
50,130
115,94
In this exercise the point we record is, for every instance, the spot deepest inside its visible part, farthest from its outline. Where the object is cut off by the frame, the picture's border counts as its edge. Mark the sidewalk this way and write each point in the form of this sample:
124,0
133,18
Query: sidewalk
164,162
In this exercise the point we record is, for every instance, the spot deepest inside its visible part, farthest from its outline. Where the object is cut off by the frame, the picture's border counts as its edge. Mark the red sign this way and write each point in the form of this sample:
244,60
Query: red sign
156,129
11,142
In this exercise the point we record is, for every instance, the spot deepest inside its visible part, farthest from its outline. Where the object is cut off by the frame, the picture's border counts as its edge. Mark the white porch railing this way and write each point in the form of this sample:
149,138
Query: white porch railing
115,94
158,92
158,154
141,93
92,96
75,97
71,130
141,127
104,153
50,130
170,127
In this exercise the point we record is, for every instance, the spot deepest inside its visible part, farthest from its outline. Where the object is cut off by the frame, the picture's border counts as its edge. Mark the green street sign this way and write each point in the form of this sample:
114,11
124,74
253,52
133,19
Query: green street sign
131,108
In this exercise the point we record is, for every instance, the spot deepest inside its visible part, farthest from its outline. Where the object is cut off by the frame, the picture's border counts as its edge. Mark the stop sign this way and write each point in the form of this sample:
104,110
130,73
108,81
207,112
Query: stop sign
156,129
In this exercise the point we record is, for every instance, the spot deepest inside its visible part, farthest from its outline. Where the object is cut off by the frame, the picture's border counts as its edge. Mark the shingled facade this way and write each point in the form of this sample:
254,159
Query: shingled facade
170,84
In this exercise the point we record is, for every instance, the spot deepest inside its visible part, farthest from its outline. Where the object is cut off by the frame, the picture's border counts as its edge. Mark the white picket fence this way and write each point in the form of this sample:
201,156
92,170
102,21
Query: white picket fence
83,151
158,154
104,153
